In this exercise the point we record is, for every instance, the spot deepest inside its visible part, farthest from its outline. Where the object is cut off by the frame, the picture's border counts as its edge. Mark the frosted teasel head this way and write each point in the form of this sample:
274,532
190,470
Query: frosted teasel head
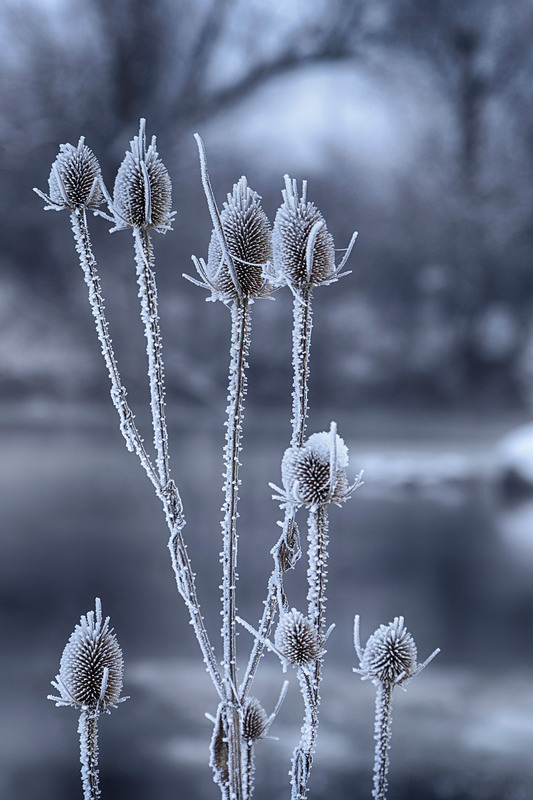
248,236
296,639
314,474
142,196
303,248
390,655
255,720
91,667
75,180
240,250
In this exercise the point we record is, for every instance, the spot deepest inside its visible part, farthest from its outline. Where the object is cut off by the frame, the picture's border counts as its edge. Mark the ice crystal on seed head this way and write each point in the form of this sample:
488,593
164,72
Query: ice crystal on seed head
304,252
142,196
309,473
248,235
390,654
91,668
296,638
75,179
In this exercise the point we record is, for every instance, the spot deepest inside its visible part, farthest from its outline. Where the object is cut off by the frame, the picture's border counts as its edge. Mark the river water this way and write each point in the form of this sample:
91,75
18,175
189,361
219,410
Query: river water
431,535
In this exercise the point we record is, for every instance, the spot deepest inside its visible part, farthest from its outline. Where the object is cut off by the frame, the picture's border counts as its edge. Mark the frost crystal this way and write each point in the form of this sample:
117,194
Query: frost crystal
304,252
75,179
91,668
315,474
142,196
296,638
248,236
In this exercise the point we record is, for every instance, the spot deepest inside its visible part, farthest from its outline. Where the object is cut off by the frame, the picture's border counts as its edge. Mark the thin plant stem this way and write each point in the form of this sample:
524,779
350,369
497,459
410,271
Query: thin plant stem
302,757
144,259
310,678
88,731
382,735
240,337
301,348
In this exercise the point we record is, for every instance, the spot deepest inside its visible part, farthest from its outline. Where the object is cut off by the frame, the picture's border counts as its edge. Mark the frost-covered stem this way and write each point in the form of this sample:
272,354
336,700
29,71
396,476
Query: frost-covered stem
317,537
249,769
118,392
301,348
302,757
382,735
185,582
311,677
240,338
144,259
88,731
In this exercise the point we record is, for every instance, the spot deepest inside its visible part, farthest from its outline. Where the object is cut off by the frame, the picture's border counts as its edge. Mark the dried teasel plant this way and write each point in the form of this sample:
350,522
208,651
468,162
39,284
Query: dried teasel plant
388,659
90,679
247,259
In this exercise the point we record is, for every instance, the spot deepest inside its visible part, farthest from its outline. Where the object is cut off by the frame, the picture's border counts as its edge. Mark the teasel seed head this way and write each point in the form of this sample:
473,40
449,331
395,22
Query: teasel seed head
315,473
296,638
75,180
248,236
142,196
390,655
255,720
91,668
303,248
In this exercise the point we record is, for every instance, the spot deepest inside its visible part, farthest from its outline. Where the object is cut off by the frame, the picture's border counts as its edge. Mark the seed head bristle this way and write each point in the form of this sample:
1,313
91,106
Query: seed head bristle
310,468
75,179
390,655
255,720
248,235
303,248
296,638
142,196
91,668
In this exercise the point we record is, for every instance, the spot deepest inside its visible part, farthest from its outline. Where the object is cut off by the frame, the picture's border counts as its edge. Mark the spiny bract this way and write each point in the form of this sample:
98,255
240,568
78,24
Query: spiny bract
304,252
142,196
390,654
296,638
75,179
310,468
248,235
91,668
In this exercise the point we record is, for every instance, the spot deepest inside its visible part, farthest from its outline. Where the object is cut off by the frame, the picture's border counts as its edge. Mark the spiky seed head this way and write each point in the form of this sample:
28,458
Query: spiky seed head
248,235
296,638
142,196
390,654
92,666
75,179
310,468
301,262
254,721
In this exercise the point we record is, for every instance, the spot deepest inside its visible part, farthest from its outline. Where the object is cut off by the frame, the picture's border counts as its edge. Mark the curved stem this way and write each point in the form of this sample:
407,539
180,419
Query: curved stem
88,731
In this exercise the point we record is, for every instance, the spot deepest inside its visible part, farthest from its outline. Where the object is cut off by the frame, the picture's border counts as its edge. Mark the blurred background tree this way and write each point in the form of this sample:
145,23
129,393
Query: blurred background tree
412,121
